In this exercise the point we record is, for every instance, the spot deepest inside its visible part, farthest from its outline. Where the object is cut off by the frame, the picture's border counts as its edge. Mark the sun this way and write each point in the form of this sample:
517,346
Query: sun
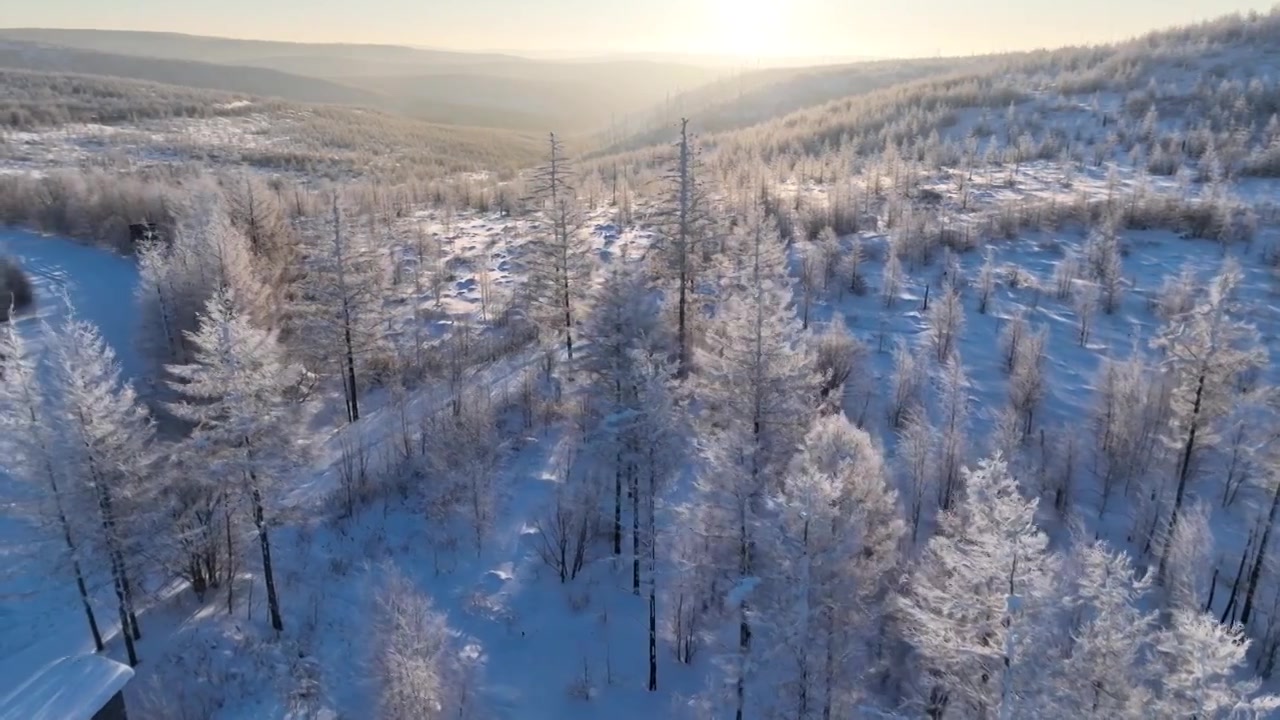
749,28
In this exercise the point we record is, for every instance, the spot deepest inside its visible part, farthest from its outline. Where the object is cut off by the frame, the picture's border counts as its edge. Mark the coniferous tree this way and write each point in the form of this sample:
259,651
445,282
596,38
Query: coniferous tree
1206,352
558,256
105,440
973,604
29,444
684,249
236,394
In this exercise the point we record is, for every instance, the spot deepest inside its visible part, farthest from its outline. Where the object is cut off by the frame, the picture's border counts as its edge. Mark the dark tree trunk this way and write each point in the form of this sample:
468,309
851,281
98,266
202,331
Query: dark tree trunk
351,369
634,482
88,607
1255,573
259,521
617,508
1184,470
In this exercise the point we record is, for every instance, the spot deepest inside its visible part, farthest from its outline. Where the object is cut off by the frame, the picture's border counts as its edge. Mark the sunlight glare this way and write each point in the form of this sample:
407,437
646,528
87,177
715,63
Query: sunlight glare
750,28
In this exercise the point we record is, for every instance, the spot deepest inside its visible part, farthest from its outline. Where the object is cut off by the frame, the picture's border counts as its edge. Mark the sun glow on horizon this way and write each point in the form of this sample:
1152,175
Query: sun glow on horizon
748,27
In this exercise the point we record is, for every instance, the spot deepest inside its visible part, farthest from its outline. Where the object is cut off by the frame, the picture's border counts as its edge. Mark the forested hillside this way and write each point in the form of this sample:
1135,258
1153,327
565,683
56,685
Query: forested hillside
941,389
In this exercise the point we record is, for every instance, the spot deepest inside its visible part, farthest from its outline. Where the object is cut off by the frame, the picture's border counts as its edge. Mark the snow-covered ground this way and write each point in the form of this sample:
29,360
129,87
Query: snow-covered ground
547,650
40,617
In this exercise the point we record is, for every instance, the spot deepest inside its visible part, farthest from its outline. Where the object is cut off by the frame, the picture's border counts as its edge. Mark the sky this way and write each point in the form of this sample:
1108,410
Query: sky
746,28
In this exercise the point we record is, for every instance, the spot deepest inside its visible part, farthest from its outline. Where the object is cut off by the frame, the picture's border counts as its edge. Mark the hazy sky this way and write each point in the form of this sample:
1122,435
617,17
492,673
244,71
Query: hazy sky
764,28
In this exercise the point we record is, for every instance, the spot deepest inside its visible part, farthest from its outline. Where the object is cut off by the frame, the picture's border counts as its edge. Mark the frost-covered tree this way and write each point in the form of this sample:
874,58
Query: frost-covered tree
907,383
842,362
972,606
256,211
953,429
831,549
176,278
986,282
682,252
623,321
1103,260
558,257
1086,306
1065,273
1205,353
1027,383
236,394
891,275
1190,559
944,323
1199,662
339,325
1015,332
419,669
853,262
1125,420
30,445
1177,295
1099,671
758,370
917,457
105,442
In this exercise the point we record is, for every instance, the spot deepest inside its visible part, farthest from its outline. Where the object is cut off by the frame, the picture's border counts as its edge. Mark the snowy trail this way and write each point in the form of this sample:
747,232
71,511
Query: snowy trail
40,616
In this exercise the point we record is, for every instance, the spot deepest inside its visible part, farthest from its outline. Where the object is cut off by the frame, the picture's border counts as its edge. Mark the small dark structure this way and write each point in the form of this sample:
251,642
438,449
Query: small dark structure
139,232
78,687
15,288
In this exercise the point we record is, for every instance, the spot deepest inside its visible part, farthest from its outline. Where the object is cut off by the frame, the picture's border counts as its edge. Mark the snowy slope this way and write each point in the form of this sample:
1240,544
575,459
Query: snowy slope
40,606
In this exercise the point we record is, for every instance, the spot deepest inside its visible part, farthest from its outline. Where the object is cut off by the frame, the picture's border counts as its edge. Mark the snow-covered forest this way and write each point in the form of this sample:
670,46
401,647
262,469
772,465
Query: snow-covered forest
953,398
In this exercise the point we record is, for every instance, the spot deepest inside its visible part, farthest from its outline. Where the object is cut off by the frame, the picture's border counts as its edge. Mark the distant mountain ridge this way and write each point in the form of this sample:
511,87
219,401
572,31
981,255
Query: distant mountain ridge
483,89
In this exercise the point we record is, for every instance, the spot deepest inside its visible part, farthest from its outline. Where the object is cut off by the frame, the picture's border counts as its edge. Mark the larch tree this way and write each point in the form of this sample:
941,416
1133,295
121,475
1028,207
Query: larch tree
972,607
558,257
907,383
829,554
340,327
255,210
236,395
623,321
651,433
1125,422
758,371
986,285
1205,353
106,445
29,444
686,230
1027,382
419,671
1099,671
176,278
953,429
1199,661
917,459
760,387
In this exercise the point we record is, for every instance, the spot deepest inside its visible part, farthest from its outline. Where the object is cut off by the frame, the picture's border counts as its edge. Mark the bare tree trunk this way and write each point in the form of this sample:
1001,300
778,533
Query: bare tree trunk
1184,470
634,486
259,521
653,584
1256,571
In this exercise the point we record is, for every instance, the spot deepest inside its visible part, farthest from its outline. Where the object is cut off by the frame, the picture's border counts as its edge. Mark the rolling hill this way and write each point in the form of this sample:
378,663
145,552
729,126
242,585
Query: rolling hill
484,89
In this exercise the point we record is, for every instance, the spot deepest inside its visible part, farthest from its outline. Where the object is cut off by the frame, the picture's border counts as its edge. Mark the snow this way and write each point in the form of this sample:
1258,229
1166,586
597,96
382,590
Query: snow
98,283
72,688
40,613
